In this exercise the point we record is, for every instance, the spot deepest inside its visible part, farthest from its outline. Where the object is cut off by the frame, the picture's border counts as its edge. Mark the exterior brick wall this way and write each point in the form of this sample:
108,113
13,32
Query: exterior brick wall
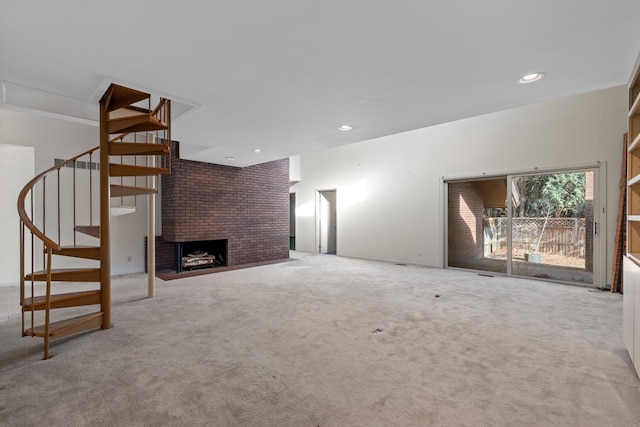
588,211
248,206
465,232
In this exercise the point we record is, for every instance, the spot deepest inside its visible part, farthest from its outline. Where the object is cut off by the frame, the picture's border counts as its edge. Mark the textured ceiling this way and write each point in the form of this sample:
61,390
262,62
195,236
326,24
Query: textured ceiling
283,75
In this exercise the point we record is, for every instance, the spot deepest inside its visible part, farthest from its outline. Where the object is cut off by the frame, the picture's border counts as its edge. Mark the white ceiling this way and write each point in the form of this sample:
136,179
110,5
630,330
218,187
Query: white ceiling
282,75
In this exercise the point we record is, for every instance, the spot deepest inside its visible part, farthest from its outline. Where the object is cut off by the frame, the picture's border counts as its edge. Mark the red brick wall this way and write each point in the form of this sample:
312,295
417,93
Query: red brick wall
465,222
248,206
165,254
588,211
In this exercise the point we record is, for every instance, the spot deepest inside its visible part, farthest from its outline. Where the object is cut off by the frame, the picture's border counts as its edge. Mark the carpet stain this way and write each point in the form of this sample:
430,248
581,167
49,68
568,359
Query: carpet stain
381,402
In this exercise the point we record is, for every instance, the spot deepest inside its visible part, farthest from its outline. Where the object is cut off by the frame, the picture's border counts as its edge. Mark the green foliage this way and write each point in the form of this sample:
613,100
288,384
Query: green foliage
556,195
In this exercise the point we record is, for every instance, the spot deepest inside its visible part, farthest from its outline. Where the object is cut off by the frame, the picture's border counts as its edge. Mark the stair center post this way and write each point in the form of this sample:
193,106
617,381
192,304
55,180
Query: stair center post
105,196
151,226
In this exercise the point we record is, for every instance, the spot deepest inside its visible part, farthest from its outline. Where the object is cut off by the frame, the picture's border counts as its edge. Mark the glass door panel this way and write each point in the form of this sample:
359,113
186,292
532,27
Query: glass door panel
552,223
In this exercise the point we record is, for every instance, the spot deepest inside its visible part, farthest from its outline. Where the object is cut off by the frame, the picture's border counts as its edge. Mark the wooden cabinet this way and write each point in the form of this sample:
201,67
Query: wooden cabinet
633,171
631,305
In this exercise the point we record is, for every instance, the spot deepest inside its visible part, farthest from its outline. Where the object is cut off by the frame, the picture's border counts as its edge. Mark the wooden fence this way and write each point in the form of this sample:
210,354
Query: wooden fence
561,236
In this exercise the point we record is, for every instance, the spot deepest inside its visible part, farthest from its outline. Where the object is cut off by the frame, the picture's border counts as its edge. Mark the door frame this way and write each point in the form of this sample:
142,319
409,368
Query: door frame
293,221
599,203
318,196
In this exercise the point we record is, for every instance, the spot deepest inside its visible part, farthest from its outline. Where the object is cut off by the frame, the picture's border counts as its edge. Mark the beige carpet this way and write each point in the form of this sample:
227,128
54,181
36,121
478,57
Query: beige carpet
329,341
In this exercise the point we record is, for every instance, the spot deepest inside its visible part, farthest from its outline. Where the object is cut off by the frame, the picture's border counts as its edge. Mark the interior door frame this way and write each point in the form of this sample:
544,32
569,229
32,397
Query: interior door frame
293,221
319,192
599,217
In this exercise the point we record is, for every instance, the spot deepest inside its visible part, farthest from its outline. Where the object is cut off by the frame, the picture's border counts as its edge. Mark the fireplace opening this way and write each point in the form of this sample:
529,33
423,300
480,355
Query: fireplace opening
201,254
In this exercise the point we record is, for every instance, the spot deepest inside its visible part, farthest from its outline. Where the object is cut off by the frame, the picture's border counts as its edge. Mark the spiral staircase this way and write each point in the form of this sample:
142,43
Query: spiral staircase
65,215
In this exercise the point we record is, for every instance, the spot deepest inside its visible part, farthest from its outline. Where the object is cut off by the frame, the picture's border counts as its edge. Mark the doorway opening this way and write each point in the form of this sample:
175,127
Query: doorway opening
538,225
473,207
327,222
292,221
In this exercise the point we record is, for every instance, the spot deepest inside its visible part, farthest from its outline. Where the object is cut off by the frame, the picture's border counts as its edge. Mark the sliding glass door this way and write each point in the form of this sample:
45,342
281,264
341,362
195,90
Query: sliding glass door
529,225
552,226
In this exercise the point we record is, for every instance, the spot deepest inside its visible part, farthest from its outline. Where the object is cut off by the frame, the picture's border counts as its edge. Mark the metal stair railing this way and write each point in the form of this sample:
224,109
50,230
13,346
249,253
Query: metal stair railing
33,227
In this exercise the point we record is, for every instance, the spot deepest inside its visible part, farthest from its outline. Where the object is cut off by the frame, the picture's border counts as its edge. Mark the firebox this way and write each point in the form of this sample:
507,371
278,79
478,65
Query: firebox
201,254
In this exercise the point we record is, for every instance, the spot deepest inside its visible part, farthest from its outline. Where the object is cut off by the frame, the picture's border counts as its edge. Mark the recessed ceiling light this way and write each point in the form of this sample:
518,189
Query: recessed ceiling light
257,150
230,158
345,127
531,77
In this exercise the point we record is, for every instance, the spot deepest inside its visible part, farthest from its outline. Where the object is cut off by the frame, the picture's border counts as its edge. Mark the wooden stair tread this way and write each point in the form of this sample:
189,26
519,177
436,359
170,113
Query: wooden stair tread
91,230
116,169
120,96
135,123
67,275
127,190
79,251
70,299
137,109
137,148
69,326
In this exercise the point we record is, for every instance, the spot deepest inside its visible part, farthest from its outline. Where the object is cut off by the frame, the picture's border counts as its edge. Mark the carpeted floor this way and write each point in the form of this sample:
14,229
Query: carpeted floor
330,341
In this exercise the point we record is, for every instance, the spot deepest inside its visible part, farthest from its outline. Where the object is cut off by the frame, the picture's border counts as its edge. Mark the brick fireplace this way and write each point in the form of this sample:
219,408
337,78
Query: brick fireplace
248,208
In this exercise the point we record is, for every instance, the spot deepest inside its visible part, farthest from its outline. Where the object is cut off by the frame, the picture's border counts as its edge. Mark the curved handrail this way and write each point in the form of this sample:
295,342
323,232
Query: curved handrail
161,104
27,188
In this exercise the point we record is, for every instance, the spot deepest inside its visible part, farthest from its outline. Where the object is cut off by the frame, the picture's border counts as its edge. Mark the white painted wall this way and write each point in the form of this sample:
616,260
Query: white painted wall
16,169
390,205
53,138
295,174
